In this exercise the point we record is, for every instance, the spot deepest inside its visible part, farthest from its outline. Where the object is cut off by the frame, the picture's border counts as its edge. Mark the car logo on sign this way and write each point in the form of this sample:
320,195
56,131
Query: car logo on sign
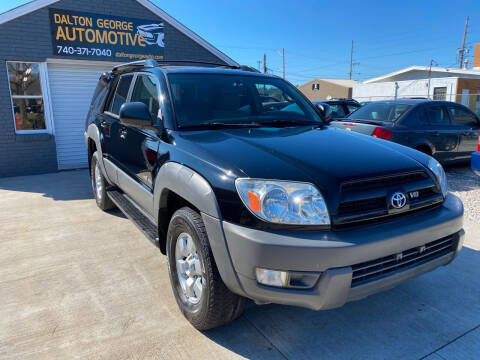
398,200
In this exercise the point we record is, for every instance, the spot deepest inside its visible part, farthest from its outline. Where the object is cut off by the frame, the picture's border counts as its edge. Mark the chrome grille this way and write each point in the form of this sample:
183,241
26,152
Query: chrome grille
379,268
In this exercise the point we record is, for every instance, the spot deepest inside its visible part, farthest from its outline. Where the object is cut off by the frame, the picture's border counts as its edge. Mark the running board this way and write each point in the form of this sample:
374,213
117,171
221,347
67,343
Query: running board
142,222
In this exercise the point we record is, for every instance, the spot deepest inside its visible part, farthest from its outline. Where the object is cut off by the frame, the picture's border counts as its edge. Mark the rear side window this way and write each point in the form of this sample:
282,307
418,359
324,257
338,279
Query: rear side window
121,92
462,116
146,91
437,115
385,112
98,99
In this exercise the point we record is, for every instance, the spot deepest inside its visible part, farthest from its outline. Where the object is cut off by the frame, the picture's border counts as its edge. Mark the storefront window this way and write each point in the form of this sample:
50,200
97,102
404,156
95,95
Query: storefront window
26,94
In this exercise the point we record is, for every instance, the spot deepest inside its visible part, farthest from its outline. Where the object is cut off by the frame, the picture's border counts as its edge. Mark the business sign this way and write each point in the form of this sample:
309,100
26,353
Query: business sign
86,35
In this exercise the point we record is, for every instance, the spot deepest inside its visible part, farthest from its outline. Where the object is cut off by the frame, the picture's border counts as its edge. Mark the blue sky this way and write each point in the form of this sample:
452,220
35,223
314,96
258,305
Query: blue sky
316,35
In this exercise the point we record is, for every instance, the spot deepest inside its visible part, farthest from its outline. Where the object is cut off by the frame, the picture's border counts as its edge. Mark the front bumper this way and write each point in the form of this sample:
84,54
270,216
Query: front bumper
239,250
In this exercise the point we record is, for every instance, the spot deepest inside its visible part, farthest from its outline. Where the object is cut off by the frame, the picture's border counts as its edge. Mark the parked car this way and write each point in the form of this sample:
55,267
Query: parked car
475,163
254,202
340,108
446,130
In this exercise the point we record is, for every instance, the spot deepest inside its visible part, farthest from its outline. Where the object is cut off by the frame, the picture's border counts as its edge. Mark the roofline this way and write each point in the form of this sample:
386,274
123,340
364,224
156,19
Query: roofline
24,9
38,4
423,68
329,80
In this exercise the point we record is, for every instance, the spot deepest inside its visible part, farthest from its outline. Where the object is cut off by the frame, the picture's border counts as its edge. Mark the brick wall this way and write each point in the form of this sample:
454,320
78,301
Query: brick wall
28,38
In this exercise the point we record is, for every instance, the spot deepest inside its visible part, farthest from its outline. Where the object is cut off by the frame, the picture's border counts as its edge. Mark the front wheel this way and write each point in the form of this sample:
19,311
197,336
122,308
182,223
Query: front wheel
199,290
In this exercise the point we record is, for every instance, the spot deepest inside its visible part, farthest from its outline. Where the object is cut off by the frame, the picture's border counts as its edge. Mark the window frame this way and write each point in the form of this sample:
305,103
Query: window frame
435,96
155,81
45,89
114,90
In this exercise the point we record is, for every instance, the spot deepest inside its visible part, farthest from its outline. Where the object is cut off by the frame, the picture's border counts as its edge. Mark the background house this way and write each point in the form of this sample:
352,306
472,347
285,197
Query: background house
321,89
451,84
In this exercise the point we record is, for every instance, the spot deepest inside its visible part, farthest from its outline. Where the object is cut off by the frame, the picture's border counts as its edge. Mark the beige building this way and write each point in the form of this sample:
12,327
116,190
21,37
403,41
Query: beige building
321,89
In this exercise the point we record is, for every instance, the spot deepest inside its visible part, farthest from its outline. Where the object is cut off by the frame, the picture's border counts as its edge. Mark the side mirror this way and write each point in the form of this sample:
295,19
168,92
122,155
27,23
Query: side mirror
136,115
325,112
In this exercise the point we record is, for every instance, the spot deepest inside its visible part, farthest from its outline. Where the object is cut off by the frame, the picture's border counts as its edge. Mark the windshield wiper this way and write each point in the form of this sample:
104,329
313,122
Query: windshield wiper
219,125
286,122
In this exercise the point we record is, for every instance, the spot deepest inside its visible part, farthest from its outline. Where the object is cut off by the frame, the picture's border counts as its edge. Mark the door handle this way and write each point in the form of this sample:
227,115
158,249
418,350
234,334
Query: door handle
436,133
123,133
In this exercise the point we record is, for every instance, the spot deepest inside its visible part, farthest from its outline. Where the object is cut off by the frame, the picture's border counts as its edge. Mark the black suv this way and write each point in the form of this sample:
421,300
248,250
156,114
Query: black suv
253,201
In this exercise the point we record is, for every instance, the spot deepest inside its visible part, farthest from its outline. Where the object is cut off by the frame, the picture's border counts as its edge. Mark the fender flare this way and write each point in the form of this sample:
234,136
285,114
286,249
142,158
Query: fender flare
94,134
187,184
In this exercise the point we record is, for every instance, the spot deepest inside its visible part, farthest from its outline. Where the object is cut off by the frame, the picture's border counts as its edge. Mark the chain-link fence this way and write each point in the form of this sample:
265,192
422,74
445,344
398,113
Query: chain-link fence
472,101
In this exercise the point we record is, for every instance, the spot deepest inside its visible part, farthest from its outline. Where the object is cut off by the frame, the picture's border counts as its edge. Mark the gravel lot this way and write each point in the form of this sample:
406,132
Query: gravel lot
464,183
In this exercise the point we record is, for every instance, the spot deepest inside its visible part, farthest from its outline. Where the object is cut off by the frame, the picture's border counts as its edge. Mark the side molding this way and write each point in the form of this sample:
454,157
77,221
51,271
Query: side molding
187,184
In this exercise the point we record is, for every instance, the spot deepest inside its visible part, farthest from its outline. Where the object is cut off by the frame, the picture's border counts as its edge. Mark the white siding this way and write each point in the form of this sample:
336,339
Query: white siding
406,89
71,89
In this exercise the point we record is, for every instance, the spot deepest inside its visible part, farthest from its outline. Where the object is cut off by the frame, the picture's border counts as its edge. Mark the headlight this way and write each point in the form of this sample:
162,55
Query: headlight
283,202
437,170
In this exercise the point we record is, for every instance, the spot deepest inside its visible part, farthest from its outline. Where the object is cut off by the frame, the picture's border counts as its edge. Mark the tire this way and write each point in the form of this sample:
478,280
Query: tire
99,185
424,149
215,305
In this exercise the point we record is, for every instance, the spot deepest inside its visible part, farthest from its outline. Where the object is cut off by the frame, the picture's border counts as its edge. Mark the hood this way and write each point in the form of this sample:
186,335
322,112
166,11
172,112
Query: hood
324,156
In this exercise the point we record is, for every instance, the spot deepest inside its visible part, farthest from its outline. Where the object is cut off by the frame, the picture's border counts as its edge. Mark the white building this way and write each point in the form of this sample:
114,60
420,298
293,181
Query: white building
461,85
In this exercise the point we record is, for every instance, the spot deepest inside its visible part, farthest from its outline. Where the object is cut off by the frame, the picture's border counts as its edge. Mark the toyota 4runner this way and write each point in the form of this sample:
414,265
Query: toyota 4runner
250,200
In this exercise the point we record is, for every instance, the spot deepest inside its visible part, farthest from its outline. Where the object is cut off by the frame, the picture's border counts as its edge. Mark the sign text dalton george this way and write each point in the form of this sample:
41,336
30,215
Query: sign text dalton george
94,35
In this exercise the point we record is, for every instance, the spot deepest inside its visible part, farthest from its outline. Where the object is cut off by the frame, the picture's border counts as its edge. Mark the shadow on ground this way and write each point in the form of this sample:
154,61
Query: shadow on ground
408,322
63,186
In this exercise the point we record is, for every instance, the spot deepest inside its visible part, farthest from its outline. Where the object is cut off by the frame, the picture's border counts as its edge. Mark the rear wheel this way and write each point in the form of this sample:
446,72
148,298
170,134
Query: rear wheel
199,290
425,149
99,185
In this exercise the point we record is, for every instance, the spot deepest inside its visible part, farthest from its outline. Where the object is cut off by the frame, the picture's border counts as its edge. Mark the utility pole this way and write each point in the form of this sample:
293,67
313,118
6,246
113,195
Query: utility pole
462,49
351,62
430,77
264,63
283,62
259,64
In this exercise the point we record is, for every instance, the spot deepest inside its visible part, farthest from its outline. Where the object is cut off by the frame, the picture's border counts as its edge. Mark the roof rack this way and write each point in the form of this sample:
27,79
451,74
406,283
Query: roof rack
154,63
133,64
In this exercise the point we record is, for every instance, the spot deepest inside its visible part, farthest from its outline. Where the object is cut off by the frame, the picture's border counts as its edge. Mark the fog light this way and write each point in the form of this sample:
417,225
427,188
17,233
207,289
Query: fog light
272,277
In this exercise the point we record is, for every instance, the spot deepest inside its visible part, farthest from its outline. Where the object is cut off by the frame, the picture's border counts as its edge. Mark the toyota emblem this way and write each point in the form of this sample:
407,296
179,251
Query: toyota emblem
398,200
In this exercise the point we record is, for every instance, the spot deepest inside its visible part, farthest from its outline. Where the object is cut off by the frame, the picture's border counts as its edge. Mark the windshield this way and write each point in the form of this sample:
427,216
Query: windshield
384,112
208,99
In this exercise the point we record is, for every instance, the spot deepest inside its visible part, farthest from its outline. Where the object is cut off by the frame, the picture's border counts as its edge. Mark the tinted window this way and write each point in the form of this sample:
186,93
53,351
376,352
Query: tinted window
385,112
437,115
204,98
120,96
337,111
98,100
462,116
352,107
146,91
